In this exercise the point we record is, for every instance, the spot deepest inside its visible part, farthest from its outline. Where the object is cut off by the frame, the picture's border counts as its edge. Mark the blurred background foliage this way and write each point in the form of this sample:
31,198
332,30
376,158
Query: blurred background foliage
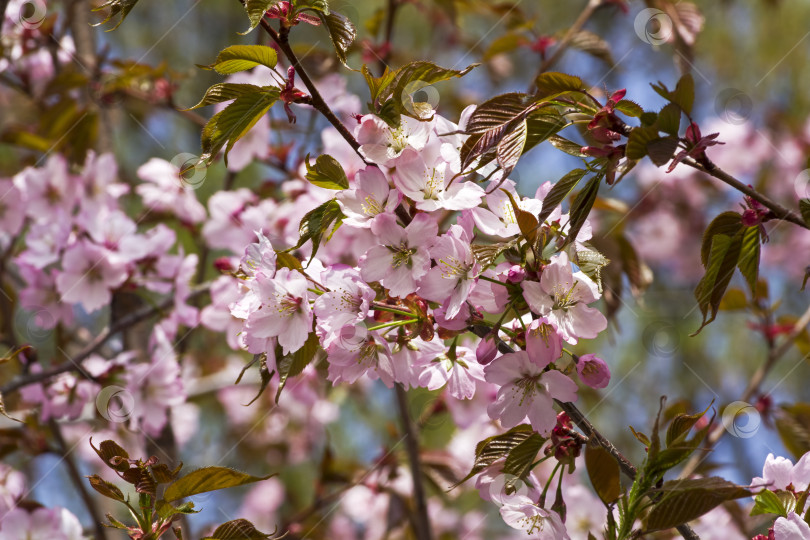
761,48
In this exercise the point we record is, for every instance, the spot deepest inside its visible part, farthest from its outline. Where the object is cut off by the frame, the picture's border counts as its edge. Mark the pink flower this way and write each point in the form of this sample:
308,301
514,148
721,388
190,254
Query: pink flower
217,315
41,524
538,522
593,371
793,527
780,473
527,391
428,179
358,352
382,144
12,489
563,296
453,277
167,191
372,197
12,212
225,229
543,343
402,256
48,190
498,218
457,369
285,312
42,299
64,397
88,276
45,240
259,258
346,303
101,188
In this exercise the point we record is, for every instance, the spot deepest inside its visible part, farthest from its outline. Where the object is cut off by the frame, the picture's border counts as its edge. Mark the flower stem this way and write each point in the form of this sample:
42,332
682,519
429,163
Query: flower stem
393,324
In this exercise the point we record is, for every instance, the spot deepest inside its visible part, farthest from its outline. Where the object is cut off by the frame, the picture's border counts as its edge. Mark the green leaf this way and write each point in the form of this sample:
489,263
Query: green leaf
511,147
255,11
629,108
486,254
415,76
689,498
552,82
723,257
767,502
604,473
108,489
341,31
520,459
641,437
208,479
110,450
499,111
661,150
116,7
225,92
317,223
680,425
559,191
749,256
804,207
684,94
581,207
540,125
496,447
293,364
167,511
669,119
326,173
164,475
238,529
243,57
233,122
638,140
727,223
590,43
793,426
591,263
311,5
569,147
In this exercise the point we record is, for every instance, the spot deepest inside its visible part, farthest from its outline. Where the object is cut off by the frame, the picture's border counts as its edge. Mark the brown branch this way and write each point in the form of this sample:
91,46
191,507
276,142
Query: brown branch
318,103
421,520
707,166
751,390
75,362
78,480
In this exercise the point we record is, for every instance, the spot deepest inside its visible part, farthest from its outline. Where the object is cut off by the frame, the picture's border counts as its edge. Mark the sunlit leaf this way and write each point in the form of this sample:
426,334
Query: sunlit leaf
243,57
208,479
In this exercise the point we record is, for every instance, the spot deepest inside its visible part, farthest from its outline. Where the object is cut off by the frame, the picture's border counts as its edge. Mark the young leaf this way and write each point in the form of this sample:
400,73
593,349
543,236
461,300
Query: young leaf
723,257
669,119
108,451
680,426
590,43
521,457
689,498
569,147
662,149
233,122
728,223
326,173
341,31
225,92
167,511
511,147
540,125
581,207
498,111
243,57
559,192
293,364
108,489
630,108
317,223
525,220
552,82
684,94
208,479
494,448
768,502
638,140
604,473
116,7
255,11
749,256
238,529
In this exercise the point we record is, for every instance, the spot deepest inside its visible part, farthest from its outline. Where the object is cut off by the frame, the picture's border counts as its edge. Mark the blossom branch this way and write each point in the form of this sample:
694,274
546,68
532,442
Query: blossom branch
76,361
753,388
422,521
317,101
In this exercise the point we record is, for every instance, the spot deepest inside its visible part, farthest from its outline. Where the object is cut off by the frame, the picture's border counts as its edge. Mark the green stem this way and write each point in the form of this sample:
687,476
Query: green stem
491,280
383,307
393,324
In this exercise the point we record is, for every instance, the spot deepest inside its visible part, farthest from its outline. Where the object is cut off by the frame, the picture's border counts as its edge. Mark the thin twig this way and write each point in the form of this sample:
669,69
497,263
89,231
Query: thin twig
318,102
752,389
96,344
421,521
78,481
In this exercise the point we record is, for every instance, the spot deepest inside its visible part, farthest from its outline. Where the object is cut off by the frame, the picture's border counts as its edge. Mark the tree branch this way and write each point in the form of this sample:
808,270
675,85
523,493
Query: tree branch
422,521
318,103
76,361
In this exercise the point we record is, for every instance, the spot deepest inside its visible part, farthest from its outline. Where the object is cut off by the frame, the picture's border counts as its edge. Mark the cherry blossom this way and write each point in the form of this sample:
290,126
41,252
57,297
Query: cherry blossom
382,144
402,256
523,514
563,297
166,191
40,524
456,368
89,276
358,352
527,391
346,303
371,198
285,311
593,371
429,180
453,277
793,527
781,473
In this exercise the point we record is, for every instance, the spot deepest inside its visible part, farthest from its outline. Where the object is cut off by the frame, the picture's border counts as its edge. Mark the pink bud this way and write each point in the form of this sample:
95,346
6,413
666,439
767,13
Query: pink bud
486,351
593,371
